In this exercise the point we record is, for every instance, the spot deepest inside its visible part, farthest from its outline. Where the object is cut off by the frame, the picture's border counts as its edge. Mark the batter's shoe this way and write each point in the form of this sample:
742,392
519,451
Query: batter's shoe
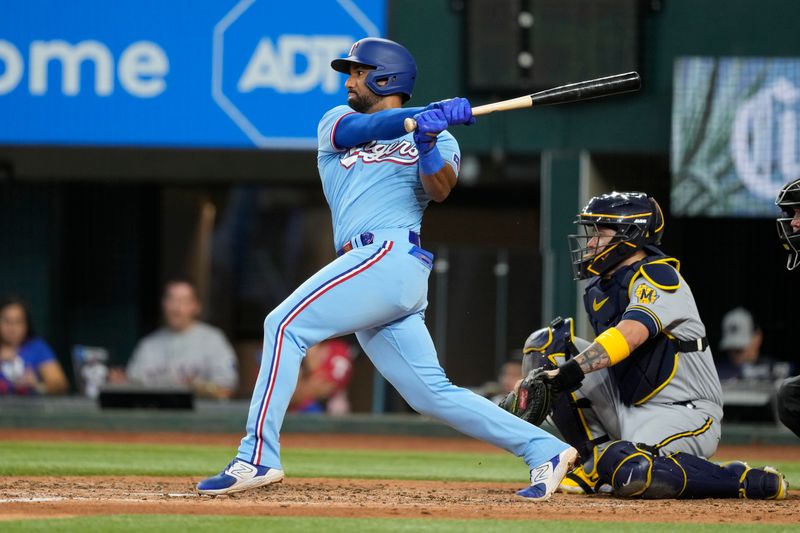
240,475
546,477
764,483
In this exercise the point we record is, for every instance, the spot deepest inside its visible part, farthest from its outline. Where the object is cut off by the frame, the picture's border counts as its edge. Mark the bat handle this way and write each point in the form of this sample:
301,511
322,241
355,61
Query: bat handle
506,105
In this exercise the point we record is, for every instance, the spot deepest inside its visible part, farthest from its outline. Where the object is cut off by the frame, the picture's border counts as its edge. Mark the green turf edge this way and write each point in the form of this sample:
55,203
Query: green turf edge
64,459
200,524
23,458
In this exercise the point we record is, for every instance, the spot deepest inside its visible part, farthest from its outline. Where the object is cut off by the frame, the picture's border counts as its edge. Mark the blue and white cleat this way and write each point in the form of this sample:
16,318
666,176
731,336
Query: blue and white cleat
546,477
240,475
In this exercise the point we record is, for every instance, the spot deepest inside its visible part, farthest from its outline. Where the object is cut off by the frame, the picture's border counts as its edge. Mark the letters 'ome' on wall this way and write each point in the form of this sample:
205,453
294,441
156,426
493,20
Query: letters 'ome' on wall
227,73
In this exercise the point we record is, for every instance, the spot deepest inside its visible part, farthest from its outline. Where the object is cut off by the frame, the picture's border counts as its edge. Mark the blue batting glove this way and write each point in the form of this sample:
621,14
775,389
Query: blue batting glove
430,123
456,111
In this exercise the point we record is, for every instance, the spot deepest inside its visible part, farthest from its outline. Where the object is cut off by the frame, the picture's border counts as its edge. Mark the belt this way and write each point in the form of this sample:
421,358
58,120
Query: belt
367,238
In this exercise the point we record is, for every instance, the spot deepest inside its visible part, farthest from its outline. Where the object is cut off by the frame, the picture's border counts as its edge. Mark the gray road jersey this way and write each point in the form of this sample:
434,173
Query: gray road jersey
675,313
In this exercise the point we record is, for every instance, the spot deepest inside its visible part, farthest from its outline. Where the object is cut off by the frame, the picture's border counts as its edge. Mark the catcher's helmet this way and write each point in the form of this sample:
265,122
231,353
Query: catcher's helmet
389,60
635,217
788,200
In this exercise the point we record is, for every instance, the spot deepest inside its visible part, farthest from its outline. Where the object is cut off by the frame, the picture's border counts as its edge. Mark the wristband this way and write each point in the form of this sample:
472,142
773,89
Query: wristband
615,345
431,162
570,376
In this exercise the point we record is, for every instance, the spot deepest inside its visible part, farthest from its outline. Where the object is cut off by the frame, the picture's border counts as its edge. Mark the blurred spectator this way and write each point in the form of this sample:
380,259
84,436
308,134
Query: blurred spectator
741,350
27,364
324,376
185,352
510,372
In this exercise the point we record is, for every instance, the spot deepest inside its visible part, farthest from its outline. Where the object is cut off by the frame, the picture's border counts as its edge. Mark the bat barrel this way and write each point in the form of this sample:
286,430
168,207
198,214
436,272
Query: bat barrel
574,92
584,90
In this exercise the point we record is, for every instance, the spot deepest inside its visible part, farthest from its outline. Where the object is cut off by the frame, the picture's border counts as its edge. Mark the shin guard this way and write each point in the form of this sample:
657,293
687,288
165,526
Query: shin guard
704,479
634,470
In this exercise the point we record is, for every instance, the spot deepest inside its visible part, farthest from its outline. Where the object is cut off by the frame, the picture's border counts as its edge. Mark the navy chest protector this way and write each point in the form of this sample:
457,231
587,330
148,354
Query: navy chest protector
648,368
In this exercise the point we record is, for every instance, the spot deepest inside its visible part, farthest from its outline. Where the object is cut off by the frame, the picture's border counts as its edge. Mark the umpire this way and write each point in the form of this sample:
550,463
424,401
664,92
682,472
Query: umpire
788,201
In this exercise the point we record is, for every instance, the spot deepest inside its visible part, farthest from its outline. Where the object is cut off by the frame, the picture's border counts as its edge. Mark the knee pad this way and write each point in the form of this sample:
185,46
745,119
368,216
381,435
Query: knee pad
668,479
626,467
635,470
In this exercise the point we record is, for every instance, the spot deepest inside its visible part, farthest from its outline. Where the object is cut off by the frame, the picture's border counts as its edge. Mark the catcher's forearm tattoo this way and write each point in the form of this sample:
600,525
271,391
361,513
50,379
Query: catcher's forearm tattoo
593,358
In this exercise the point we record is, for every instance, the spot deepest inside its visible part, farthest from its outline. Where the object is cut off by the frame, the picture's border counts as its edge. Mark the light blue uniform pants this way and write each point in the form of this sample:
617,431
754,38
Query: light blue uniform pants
379,292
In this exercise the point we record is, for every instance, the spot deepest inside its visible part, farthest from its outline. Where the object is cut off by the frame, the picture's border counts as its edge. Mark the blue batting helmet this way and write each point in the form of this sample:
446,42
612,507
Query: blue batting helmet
634,216
389,60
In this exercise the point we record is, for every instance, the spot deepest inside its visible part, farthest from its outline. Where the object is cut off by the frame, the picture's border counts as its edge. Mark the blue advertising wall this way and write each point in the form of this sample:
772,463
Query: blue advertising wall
222,73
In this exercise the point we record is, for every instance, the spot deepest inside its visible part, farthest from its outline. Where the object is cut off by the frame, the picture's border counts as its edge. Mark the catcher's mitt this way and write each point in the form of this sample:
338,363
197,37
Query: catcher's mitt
533,401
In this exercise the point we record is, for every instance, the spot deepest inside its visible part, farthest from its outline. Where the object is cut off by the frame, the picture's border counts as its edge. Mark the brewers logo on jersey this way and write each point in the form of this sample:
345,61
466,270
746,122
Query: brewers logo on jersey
645,294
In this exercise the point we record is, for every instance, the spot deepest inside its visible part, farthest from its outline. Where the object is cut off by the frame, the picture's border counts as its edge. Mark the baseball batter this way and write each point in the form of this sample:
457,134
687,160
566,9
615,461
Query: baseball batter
788,201
642,403
378,179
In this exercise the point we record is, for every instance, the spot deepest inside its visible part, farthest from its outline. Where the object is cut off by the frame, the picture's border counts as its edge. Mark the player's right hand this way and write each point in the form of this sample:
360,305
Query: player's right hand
430,123
456,111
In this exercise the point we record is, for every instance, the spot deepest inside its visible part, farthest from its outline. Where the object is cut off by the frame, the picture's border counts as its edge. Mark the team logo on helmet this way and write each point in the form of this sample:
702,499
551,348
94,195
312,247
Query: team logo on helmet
392,67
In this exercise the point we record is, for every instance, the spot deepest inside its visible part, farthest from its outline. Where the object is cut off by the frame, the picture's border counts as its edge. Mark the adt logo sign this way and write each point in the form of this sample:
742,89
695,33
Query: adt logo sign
271,65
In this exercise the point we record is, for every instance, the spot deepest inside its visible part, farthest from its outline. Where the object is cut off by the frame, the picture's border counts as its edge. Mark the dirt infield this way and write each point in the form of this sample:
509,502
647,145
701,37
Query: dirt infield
50,497
39,497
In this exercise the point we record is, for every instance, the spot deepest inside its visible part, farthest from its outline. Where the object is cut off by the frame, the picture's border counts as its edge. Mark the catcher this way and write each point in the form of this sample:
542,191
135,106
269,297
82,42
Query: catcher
642,403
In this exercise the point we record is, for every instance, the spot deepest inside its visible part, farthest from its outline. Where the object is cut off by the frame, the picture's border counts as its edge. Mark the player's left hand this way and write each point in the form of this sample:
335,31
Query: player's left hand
430,123
456,111
566,378
532,399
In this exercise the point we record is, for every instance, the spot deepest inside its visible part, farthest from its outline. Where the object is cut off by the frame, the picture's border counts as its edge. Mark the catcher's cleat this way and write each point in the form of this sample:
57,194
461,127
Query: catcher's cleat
764,483
578,481
546,477
240,475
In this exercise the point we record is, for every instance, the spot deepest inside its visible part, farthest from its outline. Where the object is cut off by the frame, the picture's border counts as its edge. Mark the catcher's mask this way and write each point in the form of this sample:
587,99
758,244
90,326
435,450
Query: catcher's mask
635,219
788,201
